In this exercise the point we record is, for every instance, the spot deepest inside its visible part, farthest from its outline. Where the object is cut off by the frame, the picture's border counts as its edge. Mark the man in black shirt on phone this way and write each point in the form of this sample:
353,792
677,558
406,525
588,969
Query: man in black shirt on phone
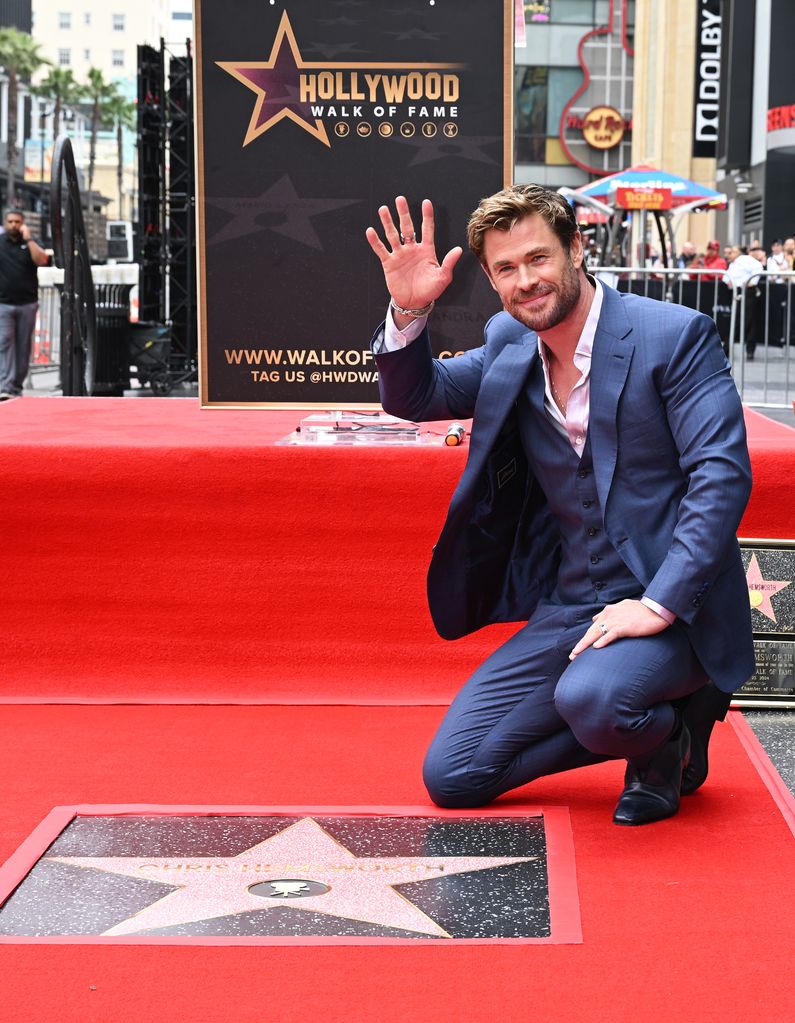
20,256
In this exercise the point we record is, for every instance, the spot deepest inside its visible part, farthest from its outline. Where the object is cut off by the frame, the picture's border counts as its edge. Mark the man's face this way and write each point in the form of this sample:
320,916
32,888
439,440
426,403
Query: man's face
13,224
789,246
688,249
538,281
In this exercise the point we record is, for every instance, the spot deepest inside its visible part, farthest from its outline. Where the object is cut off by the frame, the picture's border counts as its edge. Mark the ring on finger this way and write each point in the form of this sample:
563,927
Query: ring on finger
407,238
603,628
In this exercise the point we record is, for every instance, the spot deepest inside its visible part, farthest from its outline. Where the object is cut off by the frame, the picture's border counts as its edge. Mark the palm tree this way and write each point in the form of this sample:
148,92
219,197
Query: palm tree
99,92
63,89
20,57
122,111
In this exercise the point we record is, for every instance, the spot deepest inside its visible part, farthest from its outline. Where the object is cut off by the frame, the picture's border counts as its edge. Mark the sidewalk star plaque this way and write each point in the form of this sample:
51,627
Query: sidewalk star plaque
287,877
310,115
769,571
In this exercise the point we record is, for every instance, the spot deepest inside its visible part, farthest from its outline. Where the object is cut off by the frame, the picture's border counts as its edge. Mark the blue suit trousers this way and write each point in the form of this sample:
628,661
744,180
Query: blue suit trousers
528,711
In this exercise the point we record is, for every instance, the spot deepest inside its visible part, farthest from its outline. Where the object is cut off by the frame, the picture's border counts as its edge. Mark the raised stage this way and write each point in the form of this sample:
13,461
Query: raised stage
154,551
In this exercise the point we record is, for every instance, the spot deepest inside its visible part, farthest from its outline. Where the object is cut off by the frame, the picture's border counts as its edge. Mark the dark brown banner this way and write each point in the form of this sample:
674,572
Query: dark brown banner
311,114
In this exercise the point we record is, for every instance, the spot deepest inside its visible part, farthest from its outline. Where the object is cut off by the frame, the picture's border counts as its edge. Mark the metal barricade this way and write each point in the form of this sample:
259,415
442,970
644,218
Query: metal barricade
46,354
756,321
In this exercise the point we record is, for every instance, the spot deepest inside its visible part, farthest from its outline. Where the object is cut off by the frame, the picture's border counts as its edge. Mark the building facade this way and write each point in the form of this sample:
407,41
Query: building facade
104,34
756,157
81,34
647,73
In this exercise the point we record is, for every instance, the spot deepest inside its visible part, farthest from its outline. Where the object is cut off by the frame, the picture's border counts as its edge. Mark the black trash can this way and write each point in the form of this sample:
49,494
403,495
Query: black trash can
150,354
112,373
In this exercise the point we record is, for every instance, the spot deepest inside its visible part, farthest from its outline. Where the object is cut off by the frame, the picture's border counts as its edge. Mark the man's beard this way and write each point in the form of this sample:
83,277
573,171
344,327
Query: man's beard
566,294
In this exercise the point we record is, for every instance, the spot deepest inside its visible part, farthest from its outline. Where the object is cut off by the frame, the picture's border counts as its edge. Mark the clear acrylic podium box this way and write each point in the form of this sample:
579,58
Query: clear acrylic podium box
331,428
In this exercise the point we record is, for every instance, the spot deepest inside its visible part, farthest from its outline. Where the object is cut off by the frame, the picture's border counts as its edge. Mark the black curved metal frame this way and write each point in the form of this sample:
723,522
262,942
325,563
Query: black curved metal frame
70,244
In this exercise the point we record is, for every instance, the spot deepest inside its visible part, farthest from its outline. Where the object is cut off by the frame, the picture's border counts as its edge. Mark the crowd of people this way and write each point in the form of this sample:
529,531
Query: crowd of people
737,265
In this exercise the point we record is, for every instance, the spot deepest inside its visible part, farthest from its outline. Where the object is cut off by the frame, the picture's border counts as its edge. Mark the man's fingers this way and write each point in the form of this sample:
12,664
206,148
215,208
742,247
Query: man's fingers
451,259
406,223
428,225
390,230
596,637
376,244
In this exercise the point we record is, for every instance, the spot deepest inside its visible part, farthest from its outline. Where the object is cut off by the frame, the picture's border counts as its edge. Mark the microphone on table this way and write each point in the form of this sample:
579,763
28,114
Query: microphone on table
455,435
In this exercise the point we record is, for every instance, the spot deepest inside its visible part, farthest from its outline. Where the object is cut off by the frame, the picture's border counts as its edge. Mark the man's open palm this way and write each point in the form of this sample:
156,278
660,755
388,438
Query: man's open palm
413,274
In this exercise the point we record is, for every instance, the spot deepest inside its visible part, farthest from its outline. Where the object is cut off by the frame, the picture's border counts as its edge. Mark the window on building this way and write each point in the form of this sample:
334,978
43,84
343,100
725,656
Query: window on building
118,22
64,20
87,18
117,58
572,12
563,83
531,114
181,16
64,58
87,55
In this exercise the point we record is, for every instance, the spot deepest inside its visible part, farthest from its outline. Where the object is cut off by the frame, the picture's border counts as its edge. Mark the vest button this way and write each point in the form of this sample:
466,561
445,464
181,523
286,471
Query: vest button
591,531
587,504
598,586
594,559
581,474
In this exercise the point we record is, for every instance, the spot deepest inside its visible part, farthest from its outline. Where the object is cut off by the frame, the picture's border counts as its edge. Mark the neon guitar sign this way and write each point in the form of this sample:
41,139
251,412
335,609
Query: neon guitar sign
606,58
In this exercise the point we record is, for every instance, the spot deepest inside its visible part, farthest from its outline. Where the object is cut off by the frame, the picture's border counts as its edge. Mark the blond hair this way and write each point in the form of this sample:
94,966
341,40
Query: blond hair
501,211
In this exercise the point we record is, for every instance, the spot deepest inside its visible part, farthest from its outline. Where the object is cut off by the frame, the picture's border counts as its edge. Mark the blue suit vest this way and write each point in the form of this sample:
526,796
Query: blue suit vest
591,570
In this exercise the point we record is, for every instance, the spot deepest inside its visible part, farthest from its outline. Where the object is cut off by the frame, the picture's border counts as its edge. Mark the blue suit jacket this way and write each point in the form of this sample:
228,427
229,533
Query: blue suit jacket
670,460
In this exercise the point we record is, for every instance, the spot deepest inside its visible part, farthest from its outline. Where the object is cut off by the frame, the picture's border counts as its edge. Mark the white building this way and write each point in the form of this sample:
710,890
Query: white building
104,34
81,34
181,22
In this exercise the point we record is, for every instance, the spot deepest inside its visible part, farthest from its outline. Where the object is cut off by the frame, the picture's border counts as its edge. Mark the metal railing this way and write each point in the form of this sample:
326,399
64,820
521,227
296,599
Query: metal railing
756,321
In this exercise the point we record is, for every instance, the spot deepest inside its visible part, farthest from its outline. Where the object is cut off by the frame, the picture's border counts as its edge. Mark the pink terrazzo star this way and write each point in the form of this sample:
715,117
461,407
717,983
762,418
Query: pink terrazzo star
761,590
359,888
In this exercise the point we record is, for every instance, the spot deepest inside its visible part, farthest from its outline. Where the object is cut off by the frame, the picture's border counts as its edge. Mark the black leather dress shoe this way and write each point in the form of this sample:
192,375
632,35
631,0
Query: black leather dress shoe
700,712
652,782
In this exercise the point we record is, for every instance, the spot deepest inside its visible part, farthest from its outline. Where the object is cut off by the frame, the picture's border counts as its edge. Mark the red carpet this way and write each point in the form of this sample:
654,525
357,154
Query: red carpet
688,920
156,552
153,551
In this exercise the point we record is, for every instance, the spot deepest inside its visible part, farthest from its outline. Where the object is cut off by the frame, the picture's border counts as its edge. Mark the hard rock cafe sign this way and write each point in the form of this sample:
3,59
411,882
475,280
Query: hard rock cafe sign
594,134
603,127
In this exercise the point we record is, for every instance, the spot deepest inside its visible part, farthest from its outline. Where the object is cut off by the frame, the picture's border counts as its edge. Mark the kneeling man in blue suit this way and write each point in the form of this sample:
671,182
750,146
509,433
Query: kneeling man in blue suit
607,474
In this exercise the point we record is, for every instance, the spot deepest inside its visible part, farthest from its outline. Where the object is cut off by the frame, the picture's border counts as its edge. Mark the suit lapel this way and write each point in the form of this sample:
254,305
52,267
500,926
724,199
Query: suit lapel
498,392
610,362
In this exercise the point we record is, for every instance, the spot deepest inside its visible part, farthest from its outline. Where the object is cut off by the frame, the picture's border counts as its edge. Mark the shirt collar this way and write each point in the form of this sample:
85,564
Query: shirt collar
584,349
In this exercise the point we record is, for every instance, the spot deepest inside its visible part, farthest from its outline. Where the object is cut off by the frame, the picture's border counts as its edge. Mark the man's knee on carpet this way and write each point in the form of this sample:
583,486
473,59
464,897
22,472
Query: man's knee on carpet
459,786
605,723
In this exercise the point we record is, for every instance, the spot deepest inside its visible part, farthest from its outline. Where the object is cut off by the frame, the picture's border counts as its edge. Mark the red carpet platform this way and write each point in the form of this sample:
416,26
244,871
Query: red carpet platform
154,554
153,551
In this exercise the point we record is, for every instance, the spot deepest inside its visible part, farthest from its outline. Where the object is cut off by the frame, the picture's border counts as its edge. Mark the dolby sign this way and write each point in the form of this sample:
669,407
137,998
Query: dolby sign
707,89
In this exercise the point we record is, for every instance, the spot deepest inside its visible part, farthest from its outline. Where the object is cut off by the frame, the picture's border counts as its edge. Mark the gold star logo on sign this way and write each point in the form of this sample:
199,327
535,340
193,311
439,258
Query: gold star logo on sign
289,87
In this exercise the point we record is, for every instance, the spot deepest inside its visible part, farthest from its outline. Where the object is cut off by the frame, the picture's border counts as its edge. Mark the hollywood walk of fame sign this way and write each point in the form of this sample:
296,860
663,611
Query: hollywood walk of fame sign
311,114
291,877
769,572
